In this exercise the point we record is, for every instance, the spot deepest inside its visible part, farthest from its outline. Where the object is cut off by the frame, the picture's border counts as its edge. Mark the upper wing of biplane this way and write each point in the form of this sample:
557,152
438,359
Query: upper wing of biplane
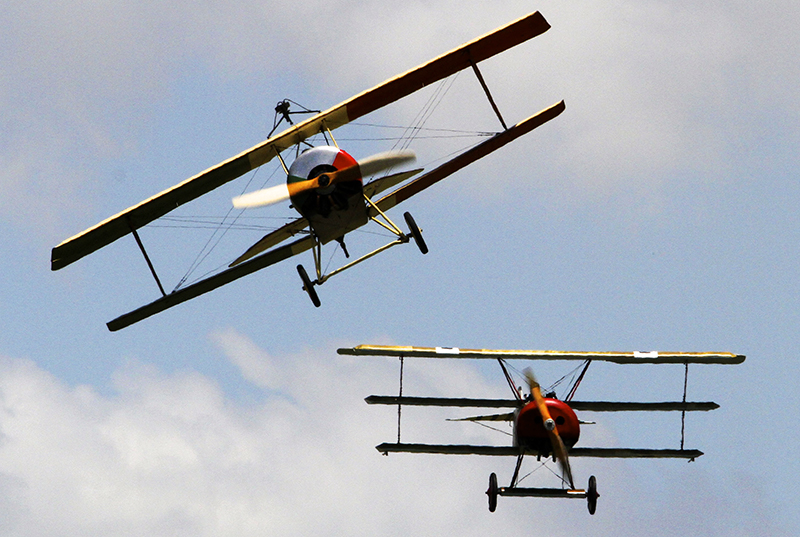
635,357
133,218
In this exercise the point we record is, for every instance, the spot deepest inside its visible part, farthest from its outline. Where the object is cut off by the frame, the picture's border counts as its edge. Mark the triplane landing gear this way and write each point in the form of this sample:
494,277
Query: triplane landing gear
590,493
402,238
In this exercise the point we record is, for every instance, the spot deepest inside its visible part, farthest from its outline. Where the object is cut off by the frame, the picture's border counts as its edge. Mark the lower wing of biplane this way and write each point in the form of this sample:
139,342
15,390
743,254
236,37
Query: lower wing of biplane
545,442
274,248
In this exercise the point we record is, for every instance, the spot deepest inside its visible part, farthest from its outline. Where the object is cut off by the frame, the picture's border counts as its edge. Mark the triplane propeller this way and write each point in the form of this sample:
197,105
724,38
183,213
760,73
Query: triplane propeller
325,184
543,425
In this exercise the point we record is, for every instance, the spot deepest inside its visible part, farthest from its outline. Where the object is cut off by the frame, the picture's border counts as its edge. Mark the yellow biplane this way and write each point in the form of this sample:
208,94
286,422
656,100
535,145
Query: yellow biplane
325,184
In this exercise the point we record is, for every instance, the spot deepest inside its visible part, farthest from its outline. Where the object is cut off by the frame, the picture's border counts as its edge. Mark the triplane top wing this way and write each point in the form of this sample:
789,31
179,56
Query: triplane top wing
634,357
543,425
396,88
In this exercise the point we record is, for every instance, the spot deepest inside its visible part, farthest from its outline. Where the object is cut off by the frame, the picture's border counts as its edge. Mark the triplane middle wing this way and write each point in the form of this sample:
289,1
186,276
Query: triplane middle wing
543,425
325,184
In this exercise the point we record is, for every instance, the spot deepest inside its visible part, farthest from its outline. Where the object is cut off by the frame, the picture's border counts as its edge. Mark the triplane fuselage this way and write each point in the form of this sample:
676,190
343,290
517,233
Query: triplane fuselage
543,425
529,427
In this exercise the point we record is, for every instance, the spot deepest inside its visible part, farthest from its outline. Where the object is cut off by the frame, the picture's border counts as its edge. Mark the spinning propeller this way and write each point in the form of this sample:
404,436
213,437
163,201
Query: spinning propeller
368,166
559,450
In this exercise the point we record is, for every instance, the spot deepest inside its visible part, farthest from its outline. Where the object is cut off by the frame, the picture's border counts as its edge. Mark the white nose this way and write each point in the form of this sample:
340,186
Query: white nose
549,424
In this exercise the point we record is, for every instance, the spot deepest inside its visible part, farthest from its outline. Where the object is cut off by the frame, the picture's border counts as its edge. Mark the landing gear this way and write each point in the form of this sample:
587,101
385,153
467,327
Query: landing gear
592,495
308,285
416,233
492,491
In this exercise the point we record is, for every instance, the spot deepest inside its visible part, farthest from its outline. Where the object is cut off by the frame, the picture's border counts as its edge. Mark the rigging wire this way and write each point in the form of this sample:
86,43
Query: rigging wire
425,113
541,465
493,428
409,134
218,234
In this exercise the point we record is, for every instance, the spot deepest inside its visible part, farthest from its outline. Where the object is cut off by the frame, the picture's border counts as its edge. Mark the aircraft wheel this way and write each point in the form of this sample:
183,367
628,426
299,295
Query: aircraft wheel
416,233
592,495
308,286
492,492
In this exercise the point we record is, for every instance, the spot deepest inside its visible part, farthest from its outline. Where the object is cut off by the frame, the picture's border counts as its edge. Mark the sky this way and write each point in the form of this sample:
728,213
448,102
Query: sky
658,212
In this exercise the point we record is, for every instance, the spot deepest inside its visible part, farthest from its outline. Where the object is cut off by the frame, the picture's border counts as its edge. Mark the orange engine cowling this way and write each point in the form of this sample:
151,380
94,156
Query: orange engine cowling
529,429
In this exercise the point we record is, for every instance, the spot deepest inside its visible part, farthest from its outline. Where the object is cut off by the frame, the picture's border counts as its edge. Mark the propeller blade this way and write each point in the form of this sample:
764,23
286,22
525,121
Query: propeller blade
259,198
383,161
559,449
368,166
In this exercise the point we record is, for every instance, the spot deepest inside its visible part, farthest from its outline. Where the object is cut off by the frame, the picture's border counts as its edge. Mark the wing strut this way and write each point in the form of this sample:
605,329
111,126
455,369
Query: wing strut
146,257
488,94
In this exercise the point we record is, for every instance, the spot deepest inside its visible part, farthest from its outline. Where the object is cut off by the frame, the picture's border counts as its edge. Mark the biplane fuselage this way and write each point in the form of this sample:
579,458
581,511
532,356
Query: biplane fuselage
530,432
334,210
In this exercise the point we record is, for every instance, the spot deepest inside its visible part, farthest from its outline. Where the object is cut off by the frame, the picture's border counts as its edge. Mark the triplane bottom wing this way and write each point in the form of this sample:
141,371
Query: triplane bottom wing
510,451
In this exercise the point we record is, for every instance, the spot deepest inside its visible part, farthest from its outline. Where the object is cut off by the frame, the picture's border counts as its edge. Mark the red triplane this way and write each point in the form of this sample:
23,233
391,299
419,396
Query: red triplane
543,426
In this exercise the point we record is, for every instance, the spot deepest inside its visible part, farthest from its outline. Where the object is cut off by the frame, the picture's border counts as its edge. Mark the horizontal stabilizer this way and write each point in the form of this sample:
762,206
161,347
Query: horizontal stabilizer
503,451
271,239
635,357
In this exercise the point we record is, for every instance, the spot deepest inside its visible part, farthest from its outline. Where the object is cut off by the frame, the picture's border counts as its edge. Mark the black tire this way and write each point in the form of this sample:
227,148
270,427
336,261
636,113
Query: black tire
416,233
492,492
308,286
592,495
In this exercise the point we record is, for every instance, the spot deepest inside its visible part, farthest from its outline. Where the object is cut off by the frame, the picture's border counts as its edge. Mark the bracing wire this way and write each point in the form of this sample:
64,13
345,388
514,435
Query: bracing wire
218,234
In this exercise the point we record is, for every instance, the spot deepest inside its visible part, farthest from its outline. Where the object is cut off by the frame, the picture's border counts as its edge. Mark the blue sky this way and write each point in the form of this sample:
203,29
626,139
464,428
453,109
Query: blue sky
657,212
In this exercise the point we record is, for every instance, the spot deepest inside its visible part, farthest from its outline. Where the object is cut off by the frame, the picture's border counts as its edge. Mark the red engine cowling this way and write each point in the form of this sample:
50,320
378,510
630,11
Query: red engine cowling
310,164
529,429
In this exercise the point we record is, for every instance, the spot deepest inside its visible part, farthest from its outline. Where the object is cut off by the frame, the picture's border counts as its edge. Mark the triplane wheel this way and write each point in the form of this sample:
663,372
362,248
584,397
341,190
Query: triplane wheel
416,233
492,490
592,495
308,286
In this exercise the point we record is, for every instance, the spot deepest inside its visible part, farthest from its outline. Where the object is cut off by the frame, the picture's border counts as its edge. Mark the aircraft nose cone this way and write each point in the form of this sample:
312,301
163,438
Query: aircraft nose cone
549,424
324,180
